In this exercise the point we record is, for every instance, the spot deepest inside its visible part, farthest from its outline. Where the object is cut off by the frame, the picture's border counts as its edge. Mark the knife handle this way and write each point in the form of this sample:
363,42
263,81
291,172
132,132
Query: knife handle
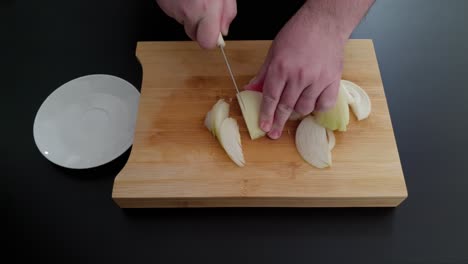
221,42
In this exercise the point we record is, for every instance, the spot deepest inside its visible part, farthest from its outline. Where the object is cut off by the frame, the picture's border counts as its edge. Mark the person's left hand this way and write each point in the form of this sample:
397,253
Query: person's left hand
302,70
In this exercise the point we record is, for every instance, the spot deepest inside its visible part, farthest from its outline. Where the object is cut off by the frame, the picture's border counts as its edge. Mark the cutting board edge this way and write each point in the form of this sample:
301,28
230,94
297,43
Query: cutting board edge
193,44
124,191
217,202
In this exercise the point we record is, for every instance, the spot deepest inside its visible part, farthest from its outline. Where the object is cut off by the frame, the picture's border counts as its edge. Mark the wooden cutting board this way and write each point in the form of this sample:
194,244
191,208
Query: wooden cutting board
176,162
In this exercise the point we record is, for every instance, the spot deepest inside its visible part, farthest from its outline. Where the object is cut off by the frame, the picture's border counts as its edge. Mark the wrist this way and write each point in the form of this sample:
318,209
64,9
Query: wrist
337,18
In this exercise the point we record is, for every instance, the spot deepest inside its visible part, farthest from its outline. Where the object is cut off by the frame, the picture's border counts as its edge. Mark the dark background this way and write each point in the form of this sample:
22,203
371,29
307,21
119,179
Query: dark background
67,216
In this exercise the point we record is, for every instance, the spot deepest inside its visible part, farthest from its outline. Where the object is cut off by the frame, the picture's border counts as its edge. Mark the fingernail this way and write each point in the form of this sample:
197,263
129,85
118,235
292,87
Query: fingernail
253,80
265,126
275,134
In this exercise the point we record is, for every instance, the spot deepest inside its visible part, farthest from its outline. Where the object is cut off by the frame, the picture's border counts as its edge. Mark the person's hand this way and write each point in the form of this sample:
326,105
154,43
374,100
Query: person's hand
302,70
203,20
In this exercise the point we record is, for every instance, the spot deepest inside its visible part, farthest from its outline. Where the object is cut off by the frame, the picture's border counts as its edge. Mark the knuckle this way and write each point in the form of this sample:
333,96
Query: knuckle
185,10
301,75
330,74
302,111
280,66
284,108
304,108
267,108
326,104
309,94
268,98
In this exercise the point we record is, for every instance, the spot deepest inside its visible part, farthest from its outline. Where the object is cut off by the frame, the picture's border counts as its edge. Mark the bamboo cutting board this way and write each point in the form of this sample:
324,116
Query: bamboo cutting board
176,162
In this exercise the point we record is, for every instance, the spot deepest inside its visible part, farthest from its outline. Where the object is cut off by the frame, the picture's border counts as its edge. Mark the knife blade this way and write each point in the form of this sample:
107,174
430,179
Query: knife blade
221,45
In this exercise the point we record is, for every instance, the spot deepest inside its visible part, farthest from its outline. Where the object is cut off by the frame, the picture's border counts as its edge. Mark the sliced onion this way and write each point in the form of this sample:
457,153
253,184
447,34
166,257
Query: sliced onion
252,101
336,118
209,122
361,105
331,139
312,143
229,137
226,131
219,112
349,96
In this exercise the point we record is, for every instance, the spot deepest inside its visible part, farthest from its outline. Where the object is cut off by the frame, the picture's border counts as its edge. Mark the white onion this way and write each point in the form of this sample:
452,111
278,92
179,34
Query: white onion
312,143
229,137
361,104
252,101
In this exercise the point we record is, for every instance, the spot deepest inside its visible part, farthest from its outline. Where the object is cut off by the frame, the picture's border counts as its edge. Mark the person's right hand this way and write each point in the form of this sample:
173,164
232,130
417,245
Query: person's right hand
203,20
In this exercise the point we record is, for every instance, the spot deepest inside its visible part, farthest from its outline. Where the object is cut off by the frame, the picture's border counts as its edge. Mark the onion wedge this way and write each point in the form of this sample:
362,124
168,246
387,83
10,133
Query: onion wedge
360,104
336,118
209,122
312,143
229,137
349,96
331,139
218,113
226,130
252,101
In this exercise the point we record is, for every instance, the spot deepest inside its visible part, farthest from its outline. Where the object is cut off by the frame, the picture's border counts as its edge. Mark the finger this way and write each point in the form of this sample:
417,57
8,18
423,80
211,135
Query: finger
284,109
327,98
274,85
190,29
256,84
209,26
306,102
229,13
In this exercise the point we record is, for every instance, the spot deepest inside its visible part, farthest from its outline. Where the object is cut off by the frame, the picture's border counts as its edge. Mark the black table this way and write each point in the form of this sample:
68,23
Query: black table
68,216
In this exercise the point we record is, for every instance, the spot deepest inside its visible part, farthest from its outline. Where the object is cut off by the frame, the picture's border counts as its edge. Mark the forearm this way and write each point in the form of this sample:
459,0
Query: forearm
338,16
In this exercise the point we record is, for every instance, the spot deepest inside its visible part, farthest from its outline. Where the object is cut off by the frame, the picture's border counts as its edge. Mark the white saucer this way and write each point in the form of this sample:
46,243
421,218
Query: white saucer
87,122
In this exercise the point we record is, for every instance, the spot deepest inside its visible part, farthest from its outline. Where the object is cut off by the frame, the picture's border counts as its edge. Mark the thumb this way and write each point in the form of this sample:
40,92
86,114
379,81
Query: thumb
229,13
208,32
209,26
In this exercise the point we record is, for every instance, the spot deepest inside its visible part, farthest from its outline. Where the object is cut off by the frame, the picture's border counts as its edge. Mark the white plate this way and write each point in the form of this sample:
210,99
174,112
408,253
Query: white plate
87,122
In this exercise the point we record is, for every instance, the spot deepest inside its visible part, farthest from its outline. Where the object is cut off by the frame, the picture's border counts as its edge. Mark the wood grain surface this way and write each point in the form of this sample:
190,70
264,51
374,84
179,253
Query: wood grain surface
176,162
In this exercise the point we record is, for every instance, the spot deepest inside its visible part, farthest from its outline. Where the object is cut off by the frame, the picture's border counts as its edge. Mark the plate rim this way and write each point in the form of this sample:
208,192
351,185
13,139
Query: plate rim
48,99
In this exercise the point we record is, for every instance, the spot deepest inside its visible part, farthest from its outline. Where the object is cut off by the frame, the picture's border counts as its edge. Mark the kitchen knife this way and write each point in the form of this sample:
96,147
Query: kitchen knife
221,45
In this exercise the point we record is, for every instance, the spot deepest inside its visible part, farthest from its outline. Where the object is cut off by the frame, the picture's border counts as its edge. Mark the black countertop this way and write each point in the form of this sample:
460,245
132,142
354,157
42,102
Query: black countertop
68,216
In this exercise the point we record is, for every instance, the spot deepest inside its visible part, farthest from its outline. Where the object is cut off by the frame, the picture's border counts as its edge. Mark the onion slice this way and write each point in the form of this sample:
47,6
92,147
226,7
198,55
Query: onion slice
331,139
361,104
350,97
219,112
209,122
252,101
226,130
336,118
229,137
312,143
